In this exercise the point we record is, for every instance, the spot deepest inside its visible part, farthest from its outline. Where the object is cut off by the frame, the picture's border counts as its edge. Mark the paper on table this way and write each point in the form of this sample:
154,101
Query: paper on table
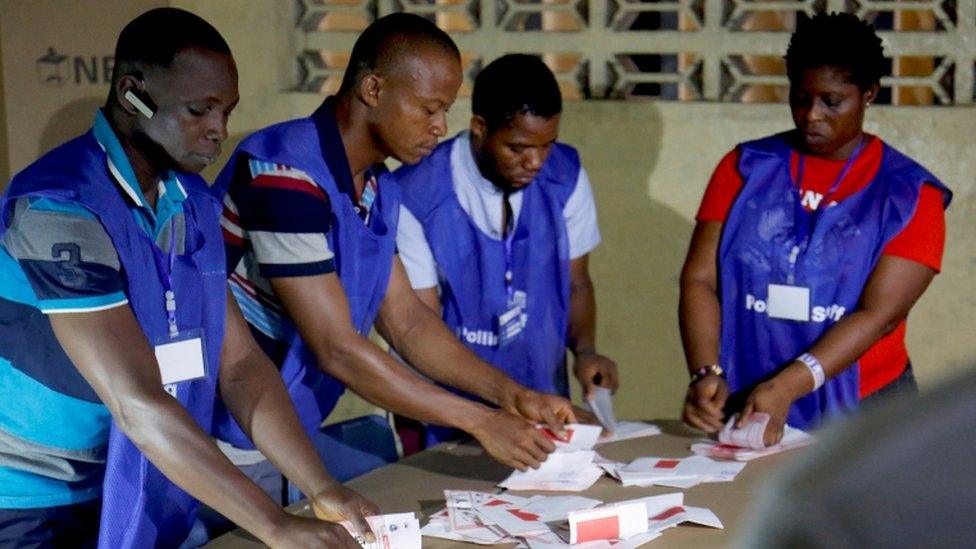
630,429
553,508
792,438
601,404
394,531
578,436
481,536
568,471
683,513
616,521
750,435
654,470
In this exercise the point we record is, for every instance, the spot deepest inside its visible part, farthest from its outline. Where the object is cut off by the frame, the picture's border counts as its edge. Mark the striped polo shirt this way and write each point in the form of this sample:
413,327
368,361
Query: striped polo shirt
56,258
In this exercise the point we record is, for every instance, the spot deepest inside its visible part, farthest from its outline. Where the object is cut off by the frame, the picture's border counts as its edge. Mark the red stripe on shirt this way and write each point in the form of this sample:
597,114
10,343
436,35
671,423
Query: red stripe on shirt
232,238
290,183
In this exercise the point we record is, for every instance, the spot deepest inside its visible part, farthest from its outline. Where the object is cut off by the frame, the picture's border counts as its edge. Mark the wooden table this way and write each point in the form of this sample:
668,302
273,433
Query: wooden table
417,483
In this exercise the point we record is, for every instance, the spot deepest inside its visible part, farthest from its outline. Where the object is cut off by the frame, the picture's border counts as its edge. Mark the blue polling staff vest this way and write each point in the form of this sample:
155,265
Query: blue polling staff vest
835,262
141,507
363,257
471,267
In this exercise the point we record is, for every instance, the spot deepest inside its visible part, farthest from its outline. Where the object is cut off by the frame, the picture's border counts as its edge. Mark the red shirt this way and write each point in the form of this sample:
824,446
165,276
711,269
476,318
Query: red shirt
922,240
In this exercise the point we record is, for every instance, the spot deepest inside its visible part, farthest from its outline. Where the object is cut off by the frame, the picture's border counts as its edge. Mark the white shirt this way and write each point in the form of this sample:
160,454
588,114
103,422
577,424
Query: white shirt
482,201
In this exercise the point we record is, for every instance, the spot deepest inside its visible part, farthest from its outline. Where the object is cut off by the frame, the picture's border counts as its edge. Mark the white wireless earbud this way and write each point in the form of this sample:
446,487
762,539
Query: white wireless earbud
139,104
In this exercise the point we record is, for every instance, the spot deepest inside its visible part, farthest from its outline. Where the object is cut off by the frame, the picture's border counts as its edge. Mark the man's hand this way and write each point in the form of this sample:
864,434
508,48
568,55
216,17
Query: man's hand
551,410
704,402
294,532
585,416
336,503
512,440
593,369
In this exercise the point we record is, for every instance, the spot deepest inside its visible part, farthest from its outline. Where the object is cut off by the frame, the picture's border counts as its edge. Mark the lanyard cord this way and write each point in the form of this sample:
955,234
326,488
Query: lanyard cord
805,222
164,264
508,235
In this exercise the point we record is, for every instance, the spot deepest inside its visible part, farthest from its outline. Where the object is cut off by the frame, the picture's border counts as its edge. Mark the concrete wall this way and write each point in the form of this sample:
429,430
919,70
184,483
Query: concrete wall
649,163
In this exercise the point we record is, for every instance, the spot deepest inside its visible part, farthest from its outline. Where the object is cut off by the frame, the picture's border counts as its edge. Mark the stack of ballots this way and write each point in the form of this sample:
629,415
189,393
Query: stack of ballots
541,522
574,466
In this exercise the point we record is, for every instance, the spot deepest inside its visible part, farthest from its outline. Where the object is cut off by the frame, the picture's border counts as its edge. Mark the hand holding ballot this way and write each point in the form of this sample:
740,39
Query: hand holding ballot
743,441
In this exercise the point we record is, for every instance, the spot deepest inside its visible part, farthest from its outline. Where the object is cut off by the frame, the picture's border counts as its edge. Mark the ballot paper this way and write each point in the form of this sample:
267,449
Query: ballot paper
792,438
615,521
567,471
749,435
626,430
396,531
677,473
525,521
601,404
574,436
554,508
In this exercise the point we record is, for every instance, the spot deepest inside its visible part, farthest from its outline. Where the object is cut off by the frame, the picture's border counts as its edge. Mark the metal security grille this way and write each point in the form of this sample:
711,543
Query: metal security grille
680,50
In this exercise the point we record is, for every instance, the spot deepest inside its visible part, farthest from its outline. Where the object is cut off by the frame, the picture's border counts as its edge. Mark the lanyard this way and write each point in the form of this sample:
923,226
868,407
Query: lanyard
804,221
508,234
164,264
366,199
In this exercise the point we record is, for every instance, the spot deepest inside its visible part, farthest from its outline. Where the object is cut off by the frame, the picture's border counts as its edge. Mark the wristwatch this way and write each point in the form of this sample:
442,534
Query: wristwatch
705,371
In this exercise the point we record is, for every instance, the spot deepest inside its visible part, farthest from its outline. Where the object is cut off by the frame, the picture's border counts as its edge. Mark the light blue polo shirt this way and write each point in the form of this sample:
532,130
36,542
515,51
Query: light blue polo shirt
56,258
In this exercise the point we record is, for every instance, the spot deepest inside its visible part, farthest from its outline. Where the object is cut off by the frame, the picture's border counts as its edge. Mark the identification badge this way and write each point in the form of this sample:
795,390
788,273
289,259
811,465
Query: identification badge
510,325
181,357
788,302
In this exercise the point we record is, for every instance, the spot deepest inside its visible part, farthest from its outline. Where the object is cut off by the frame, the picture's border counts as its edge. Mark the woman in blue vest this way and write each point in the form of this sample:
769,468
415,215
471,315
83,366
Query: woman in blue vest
496,230
116,331
811,247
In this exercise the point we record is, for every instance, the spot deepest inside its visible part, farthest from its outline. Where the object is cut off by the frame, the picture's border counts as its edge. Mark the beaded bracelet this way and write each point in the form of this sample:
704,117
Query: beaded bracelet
704,371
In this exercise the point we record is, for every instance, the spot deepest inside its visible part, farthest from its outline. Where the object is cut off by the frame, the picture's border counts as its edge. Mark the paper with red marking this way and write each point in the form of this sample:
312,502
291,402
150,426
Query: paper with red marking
616,521
749,435
565,471
573,437
677,473
395,531
792,438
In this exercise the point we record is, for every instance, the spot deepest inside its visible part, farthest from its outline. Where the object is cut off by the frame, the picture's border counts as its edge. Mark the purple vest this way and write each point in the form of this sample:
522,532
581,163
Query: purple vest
837,257
141,507
363,256
471,266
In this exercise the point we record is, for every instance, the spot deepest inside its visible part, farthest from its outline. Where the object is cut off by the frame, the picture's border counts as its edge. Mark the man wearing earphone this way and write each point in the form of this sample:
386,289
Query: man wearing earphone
116,329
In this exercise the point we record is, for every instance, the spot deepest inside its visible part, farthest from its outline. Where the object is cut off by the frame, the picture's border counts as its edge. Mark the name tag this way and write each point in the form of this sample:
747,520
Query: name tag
510,325
181,358
788,302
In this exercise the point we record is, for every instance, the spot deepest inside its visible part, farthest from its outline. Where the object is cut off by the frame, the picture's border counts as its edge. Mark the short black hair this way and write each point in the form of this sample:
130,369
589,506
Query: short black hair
512,85
154,38
389,37
839,40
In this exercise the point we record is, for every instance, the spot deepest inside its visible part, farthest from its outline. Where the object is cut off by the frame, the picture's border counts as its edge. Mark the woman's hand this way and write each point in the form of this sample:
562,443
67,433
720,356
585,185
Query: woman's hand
774,397
704,402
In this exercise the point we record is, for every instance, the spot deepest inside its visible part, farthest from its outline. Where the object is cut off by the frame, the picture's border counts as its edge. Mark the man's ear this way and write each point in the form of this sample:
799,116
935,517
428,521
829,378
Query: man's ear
128,83
370,87
479,128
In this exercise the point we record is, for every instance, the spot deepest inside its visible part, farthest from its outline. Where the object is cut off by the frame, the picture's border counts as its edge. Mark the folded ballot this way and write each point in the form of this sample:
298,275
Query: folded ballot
601,404
744,444
395,531
562,470
677,473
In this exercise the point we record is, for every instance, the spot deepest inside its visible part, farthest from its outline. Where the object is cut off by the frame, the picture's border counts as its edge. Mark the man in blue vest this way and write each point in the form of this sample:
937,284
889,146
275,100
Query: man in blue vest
116,331
310,225
496,230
